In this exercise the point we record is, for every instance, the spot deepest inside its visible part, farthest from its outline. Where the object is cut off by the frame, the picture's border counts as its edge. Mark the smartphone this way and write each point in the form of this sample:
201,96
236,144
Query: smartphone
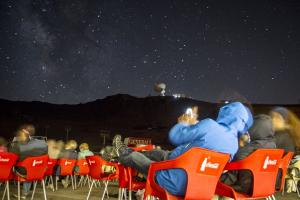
189,111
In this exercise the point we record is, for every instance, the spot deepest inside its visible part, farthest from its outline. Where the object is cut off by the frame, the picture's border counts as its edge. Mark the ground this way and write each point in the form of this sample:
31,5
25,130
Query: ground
81,193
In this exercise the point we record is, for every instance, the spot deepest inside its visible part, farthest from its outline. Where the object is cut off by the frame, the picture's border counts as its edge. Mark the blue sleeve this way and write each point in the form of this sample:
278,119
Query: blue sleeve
182,134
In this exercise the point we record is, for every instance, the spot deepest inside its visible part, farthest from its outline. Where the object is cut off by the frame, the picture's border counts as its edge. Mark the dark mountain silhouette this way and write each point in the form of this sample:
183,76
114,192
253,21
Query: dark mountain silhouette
123,114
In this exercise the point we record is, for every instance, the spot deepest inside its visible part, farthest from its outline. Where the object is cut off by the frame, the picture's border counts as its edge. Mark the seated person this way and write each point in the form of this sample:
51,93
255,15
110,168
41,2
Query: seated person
69,151
262,137
53,150
26,146
220,135
84,151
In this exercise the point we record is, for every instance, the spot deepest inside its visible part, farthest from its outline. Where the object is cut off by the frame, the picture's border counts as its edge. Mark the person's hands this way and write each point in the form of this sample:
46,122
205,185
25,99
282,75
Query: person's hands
184,118
189,119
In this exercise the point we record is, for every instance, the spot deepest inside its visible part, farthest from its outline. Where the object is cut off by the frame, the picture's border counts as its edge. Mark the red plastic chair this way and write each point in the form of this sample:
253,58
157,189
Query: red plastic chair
82,170
264,164
95,165
35,171
7,161
66,169
283,166
203,167
50,170
127,176
127,181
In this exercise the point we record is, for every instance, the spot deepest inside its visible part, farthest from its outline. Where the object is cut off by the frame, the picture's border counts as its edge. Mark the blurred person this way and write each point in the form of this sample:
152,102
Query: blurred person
26,146
287,129
219,135
262,137
69,152
84,151
53,150
3,145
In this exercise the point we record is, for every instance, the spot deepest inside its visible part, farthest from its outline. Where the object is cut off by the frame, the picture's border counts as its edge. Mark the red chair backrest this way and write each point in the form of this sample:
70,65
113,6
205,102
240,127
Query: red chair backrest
203,167
66,166
83,167
7,161
283,166
35,167
50,165
263,163
95,164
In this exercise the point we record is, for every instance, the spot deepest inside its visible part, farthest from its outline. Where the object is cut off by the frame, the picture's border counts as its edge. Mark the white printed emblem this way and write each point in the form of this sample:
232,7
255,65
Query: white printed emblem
206,164
4,159
269,162
36,162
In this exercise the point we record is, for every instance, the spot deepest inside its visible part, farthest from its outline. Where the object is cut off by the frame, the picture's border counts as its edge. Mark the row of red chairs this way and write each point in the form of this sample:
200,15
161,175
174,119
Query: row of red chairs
203,168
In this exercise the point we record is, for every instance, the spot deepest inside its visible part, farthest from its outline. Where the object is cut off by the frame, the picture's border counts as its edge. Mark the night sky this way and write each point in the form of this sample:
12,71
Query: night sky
72,51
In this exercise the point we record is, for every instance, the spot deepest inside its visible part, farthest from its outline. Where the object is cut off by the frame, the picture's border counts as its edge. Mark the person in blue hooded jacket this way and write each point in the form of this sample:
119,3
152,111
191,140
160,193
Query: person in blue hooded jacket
219,135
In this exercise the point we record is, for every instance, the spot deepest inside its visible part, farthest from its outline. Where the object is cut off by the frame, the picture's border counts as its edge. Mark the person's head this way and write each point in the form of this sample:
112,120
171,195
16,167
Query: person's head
280,118
60,144
262,128
285,120
22,136
3,141
51,143
28,128
236,116
71,144
83,146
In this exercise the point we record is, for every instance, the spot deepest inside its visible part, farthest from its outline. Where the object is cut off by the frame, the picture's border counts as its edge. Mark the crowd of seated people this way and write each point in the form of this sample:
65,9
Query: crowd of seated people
234,132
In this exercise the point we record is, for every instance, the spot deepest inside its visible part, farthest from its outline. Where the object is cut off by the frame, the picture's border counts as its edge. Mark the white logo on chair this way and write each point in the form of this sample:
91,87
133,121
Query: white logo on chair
269,162
36,162
4,159
68,163
205,164
49,163
91,162
85,163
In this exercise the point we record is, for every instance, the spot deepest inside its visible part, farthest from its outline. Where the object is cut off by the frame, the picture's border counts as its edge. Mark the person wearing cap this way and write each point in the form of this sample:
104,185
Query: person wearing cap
262,137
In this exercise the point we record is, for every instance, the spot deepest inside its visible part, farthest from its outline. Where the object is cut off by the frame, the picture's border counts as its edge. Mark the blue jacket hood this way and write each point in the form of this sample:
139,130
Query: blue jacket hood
235,116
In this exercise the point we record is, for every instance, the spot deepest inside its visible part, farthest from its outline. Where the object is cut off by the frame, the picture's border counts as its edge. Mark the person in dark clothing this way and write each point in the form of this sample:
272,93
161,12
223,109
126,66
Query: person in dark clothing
26,146
286,126
262,137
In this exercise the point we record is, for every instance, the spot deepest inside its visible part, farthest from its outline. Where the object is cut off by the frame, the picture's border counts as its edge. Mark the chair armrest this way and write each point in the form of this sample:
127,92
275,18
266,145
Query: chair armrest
157,166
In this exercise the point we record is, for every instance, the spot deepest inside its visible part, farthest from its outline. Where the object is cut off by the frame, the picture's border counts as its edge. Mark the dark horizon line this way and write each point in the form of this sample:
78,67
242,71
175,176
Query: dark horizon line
122,94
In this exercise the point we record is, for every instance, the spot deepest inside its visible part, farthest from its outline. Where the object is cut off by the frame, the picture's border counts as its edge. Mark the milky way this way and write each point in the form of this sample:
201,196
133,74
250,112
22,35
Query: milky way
78,51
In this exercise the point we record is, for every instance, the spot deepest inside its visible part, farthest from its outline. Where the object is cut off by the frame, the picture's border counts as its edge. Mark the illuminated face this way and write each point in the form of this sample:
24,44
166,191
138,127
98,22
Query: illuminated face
278,121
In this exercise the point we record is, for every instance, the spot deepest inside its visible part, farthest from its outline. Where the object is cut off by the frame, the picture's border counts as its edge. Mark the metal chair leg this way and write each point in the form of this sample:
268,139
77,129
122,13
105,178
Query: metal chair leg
44,189
130,194
90,190
56,180
34,187
105,190
19,192
5,189
8,194
51,179
72,182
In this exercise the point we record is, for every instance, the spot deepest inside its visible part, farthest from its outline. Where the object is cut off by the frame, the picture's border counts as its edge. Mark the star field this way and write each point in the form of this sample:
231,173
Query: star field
76,51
